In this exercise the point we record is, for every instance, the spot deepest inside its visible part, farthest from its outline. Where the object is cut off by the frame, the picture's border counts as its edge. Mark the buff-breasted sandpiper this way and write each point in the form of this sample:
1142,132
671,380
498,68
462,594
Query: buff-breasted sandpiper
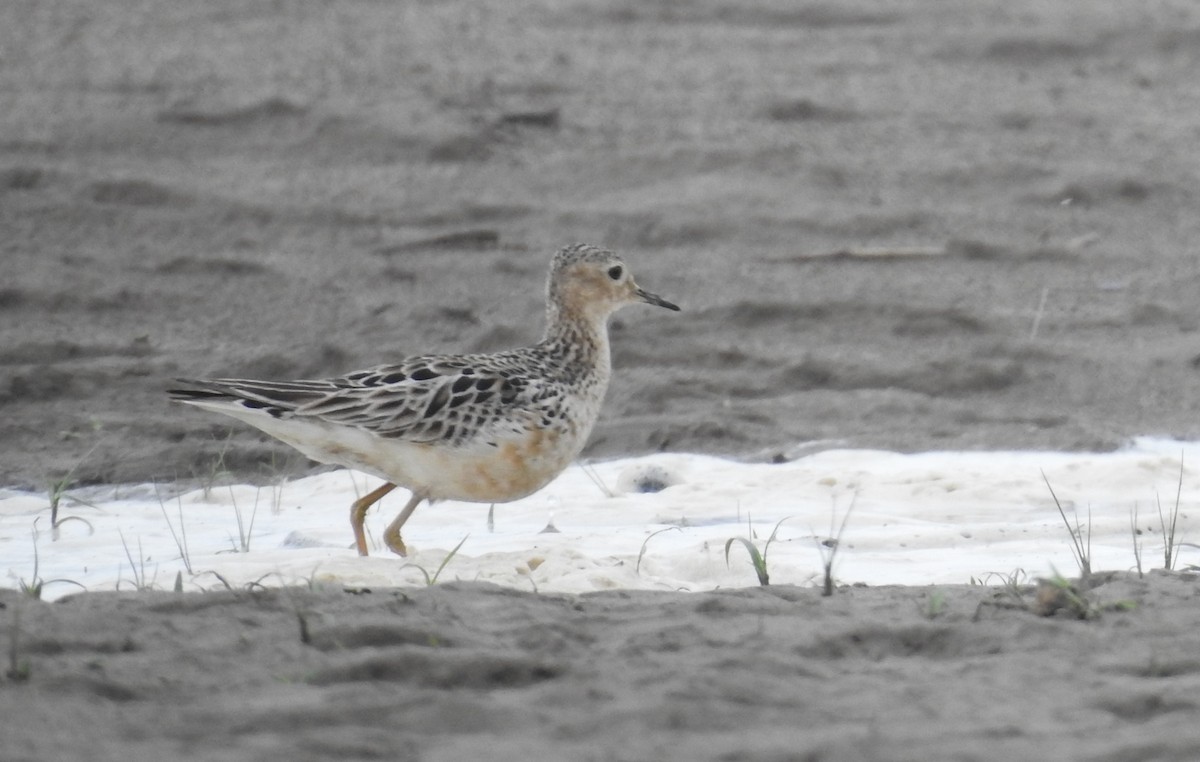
486,428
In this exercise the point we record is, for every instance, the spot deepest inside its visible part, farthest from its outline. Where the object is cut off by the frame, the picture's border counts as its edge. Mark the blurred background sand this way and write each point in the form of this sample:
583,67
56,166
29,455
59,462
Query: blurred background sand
302,188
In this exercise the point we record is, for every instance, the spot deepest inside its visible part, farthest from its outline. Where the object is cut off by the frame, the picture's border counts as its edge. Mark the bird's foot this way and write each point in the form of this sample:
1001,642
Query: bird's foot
394,543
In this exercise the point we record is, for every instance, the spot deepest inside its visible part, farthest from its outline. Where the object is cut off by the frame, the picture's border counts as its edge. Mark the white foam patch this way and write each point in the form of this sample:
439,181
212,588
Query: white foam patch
927,518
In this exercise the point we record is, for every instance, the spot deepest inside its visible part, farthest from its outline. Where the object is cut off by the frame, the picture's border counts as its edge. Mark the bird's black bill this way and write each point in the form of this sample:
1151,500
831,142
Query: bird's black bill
656,300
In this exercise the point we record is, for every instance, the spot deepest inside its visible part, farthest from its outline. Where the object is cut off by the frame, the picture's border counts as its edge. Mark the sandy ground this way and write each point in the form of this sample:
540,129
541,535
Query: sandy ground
474,671
305,188
302,188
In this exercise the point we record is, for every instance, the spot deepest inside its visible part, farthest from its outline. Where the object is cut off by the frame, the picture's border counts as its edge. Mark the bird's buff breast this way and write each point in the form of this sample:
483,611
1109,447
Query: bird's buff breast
516,466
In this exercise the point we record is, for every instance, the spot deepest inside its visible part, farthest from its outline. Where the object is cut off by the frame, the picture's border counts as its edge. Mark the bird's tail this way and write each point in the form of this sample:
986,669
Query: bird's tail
274,398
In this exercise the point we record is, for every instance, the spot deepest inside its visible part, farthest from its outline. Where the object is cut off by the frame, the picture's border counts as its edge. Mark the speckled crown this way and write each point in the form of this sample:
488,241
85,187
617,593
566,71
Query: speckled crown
580,252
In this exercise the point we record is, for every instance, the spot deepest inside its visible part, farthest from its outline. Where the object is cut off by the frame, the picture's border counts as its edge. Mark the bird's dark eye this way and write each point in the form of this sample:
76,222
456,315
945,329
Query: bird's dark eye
614,272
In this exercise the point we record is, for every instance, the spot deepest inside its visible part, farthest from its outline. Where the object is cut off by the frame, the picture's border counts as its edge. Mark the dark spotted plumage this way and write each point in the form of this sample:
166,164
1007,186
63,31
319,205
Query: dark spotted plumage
421,399
483,427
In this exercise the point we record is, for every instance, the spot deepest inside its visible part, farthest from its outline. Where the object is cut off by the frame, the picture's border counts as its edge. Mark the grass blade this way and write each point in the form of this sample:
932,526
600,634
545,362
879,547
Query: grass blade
638,568
1082,552
756,558
446,560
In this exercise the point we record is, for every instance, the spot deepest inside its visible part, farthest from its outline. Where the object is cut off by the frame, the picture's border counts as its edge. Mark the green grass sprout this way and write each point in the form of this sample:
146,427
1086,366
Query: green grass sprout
757,559
935,604
34,587
56,492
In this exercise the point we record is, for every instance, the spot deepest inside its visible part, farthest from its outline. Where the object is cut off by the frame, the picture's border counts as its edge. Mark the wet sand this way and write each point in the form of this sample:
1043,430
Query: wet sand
467,671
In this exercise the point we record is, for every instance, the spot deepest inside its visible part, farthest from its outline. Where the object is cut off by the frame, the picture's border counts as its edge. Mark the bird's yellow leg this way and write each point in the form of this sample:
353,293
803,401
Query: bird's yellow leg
391,535
358,514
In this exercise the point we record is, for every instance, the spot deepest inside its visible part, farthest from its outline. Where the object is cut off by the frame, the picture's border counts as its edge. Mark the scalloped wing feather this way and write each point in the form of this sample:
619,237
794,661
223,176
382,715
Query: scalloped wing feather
422,399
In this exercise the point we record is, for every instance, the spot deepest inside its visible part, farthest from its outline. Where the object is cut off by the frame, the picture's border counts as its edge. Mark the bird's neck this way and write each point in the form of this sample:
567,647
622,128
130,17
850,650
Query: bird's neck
581,339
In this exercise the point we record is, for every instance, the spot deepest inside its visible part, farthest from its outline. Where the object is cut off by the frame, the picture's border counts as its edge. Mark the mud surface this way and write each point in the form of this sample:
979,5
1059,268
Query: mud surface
468,671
